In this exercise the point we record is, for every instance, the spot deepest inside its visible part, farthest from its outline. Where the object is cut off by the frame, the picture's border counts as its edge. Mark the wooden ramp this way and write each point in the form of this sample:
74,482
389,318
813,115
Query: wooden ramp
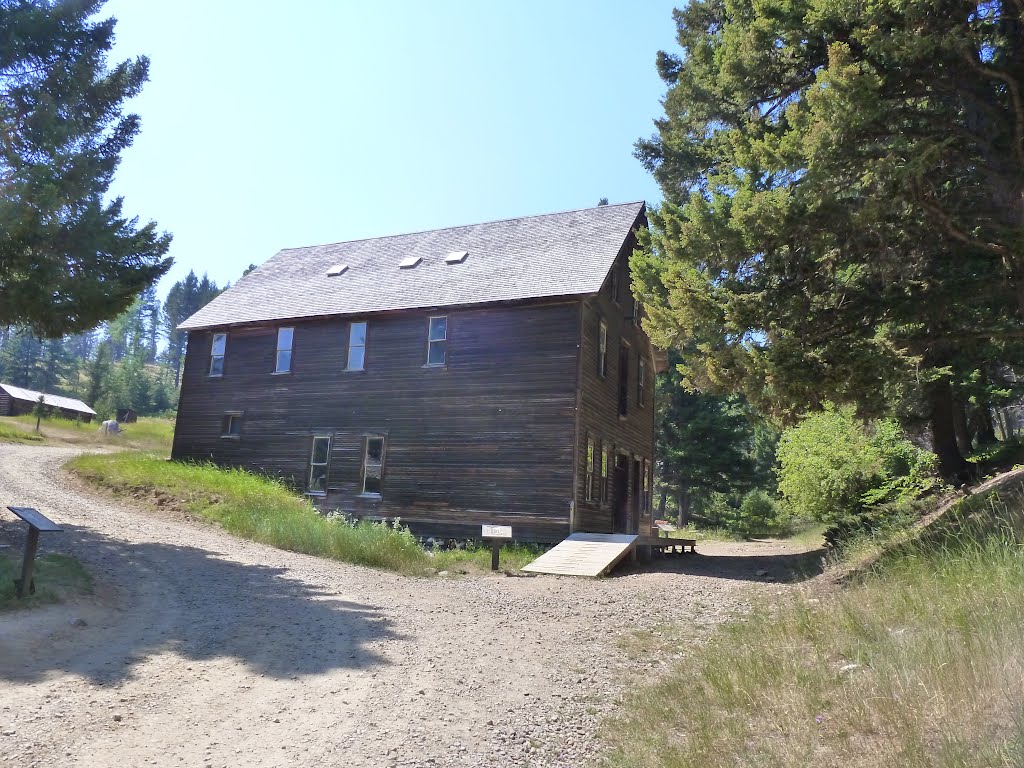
584,554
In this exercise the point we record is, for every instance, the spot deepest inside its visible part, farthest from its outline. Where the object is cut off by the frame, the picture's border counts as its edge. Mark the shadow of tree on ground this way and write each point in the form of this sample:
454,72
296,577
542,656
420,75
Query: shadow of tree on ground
783,567
191,602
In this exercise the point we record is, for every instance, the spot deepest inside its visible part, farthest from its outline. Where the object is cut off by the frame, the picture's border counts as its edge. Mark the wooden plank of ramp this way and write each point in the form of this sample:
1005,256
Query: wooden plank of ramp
584,554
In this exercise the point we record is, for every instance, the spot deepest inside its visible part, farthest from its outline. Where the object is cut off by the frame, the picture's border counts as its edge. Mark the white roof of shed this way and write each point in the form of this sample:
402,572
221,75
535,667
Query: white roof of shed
57,401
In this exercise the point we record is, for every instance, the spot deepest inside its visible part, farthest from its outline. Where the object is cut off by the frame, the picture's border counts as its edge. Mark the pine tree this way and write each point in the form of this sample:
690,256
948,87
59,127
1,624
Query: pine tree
836,225
704,442
69,256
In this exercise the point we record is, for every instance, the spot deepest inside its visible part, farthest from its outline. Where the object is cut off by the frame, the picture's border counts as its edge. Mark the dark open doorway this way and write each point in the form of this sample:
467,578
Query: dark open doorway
620,523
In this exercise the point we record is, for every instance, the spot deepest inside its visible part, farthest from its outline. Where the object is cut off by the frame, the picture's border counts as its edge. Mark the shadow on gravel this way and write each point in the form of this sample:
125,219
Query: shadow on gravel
197,605
780,567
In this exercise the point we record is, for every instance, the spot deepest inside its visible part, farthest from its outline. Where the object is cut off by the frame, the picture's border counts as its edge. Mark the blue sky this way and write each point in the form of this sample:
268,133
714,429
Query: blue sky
270,125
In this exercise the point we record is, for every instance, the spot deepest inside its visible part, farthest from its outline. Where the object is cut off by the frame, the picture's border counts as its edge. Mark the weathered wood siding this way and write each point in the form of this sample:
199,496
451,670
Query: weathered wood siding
6,404
489,438
632,435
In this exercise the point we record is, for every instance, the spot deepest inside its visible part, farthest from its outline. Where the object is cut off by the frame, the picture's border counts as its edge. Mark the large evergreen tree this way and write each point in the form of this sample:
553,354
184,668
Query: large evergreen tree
69,258
844,202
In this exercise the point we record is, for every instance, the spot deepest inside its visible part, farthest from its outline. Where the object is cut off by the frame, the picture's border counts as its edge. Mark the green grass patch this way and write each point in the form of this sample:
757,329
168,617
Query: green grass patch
14,433
147,434
264,510
58,578
918,664
478,558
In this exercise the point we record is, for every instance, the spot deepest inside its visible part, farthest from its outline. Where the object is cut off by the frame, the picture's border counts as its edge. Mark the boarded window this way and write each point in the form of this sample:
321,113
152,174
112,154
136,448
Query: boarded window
437,341
356,346
602,350
217,348
604,475
319,458
284,350
641,382
231,425
589,492
373,464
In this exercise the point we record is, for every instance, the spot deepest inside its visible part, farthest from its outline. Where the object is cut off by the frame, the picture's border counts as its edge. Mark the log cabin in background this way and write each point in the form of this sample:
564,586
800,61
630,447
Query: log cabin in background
487,374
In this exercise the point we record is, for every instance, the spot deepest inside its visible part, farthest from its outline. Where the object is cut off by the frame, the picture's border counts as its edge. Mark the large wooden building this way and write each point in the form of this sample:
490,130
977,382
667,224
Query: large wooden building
487,374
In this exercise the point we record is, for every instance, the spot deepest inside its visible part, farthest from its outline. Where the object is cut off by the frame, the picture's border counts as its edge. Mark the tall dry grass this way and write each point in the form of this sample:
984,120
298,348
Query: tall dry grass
919,665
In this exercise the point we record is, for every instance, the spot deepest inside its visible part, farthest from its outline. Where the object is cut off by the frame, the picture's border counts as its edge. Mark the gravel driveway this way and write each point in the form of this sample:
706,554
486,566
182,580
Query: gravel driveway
200,649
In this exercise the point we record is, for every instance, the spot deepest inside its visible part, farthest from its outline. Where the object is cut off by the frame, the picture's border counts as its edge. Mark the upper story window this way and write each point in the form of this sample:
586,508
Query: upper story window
623,377
602,350
634,315
356,346
319,459
437,341
373,464
285,337
615,282
220,343
641,382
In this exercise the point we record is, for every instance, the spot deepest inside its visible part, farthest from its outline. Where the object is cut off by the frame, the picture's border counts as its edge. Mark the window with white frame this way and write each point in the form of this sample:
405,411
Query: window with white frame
217,349
602,350
589,491
437,341
641,382
319,459
356,346
283,363
373,464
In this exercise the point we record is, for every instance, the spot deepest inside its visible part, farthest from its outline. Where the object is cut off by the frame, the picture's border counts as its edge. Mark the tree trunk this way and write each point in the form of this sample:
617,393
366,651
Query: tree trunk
963,432
986,430
684,507
661,504
952,465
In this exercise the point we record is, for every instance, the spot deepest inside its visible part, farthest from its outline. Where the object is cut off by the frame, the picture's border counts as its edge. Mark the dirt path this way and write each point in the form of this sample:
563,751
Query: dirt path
201,649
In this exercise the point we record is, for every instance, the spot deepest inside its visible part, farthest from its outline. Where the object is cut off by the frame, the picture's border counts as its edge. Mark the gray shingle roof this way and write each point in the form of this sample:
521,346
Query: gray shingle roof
557,254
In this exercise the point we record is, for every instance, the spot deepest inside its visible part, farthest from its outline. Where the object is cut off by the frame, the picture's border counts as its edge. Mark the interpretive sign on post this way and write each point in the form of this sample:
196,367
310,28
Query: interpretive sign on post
497,534
496,531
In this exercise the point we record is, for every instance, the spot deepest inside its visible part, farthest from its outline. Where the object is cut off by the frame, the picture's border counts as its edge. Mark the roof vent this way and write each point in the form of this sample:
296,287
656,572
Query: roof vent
409,262
456,257
337,269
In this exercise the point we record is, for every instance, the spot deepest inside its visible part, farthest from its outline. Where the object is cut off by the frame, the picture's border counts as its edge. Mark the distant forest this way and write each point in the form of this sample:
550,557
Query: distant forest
133,361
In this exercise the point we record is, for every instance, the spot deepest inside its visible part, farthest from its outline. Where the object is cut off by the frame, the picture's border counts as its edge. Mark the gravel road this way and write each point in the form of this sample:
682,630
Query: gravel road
200,649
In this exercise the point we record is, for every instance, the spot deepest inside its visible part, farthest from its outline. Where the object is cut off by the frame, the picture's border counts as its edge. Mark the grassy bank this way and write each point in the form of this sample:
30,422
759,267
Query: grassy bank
15,433
918,664
148,434
260,509
57,577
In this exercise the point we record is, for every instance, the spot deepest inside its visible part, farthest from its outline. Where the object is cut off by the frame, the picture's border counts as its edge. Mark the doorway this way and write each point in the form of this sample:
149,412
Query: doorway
620,508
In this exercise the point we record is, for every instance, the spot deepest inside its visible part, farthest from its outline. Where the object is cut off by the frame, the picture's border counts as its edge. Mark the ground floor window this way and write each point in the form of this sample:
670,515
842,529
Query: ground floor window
231,425
373,464
604,474
589,492
319,459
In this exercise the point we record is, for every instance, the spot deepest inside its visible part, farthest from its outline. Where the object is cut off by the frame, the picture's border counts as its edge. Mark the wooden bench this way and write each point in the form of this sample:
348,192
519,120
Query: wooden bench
37,523
668,545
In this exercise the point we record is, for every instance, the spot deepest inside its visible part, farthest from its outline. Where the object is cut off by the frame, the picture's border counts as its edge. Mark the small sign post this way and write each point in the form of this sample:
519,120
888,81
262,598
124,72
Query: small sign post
496,534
